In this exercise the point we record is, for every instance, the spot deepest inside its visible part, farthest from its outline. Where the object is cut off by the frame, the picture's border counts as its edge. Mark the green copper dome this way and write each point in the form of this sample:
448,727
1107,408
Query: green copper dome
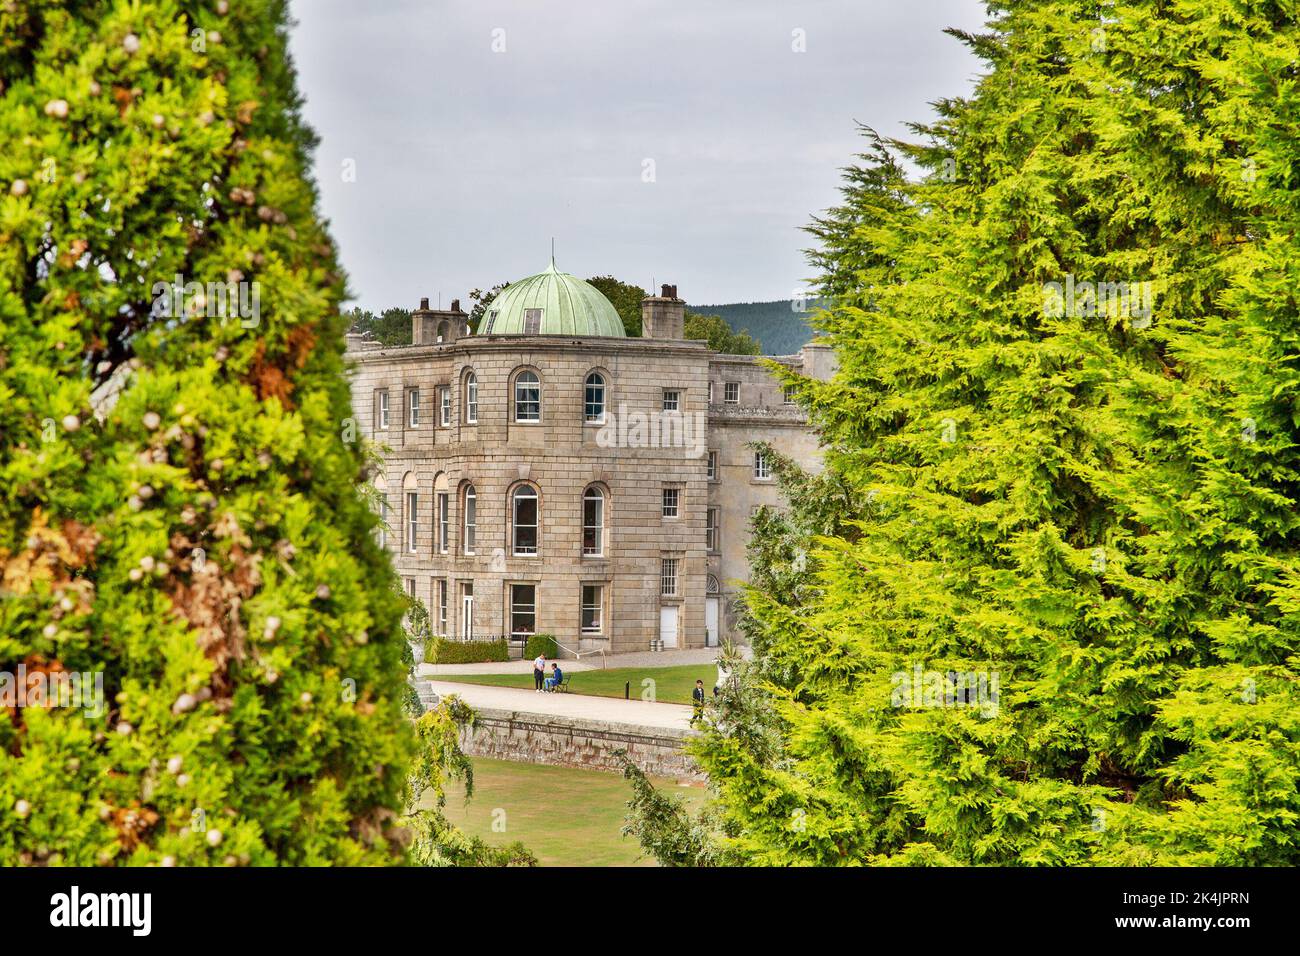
551,303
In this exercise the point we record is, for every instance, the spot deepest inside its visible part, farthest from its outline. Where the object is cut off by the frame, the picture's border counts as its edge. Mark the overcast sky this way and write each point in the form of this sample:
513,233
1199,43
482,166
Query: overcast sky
480,129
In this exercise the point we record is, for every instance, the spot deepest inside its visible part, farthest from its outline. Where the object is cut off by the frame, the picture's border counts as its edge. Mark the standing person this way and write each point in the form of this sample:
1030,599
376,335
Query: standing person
539,671
697,695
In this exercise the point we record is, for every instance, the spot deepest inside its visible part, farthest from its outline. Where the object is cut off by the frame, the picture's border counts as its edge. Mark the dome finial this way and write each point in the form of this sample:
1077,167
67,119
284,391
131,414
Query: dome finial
552,252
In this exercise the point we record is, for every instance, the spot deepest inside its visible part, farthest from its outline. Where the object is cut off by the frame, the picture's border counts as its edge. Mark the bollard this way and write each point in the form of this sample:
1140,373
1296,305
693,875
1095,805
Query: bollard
627,690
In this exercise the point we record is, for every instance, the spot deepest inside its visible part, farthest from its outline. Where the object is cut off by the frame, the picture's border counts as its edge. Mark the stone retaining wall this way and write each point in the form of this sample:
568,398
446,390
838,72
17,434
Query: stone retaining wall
570,742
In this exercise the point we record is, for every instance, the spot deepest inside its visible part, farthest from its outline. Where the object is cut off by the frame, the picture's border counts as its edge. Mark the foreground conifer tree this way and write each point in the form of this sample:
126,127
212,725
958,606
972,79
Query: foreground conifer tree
1092,504
177,471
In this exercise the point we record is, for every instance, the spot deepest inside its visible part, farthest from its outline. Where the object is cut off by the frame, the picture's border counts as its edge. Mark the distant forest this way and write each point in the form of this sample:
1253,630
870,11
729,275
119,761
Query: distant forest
778,329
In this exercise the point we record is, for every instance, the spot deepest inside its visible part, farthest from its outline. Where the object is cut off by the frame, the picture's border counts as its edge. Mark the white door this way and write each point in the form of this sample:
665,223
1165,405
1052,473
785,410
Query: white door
668,625
711,621
467,611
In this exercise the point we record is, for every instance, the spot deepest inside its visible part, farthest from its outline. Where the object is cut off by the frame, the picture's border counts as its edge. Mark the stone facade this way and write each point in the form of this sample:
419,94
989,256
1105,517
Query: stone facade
450,414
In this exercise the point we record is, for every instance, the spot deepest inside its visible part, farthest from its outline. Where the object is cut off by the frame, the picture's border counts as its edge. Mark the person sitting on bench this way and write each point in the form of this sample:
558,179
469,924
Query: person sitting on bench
557,675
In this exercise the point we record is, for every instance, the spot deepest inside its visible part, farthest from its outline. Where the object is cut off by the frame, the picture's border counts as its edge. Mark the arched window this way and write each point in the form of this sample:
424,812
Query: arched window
594,398
593,522
471,398
528,397
711,585
524,515
470,511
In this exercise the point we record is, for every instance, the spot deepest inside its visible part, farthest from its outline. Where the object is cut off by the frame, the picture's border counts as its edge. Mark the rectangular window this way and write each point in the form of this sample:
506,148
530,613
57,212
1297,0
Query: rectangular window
672,400
492,320
384,510
381,414
442,605
532,321
409,584
593,609
471,400
711,530
523,611
444,522
761,469
710,393
671,496
413,407
713,466
412,525
444,402
788,395
668,578
731,393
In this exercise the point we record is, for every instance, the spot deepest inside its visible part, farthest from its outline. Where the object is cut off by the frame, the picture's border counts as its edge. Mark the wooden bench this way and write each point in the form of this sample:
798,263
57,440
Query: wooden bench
564,684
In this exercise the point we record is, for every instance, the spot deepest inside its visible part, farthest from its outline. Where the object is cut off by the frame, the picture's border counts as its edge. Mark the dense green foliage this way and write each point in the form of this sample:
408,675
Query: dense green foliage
440,650
626,300
391,327
543,644
720,336
1097,507
200,543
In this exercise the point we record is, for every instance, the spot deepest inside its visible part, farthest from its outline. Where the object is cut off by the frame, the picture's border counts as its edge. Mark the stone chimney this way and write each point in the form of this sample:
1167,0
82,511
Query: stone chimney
663,316
438,326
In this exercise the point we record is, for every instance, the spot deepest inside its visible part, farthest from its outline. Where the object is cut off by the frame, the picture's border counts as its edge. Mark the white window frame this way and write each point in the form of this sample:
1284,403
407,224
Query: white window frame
471,399
731,393
535,384
384,510
594,382
442,588
382,424
444,405
789,395
522,492
517,635
598,550
711,466
413,408
671,502
762,467
469,525
598,627
668,577
444,522
412,520
672,401
712,535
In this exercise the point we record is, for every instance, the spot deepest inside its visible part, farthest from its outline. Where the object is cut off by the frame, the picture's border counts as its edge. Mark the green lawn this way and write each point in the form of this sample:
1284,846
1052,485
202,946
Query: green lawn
566,817
672,685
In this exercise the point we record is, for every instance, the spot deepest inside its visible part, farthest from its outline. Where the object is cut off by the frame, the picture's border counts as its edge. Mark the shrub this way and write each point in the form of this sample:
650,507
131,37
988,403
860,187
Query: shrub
438,650
543,644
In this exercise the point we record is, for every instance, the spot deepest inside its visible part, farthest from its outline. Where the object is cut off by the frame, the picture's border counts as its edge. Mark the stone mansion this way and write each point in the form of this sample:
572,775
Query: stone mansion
551,474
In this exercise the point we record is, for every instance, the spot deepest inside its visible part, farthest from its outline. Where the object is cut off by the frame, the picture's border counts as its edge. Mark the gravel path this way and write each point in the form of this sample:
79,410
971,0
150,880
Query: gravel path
637,712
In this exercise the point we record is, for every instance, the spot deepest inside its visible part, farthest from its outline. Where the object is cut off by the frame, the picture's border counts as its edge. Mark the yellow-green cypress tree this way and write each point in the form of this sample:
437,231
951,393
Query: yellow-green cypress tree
178,503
